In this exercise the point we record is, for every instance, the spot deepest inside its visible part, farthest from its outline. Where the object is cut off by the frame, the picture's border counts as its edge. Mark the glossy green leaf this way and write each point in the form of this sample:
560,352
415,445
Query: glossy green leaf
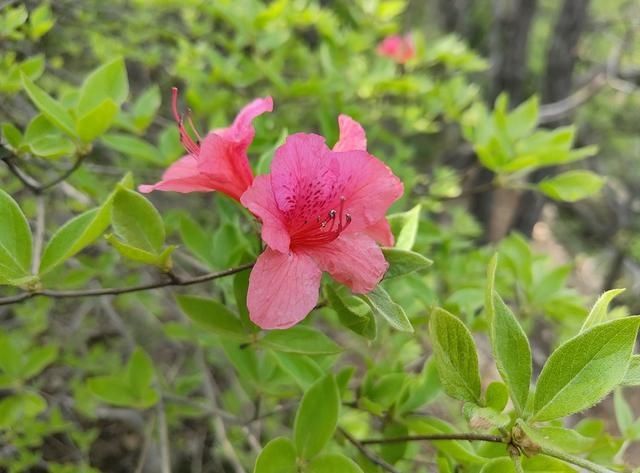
360,322
11,136
50,107
300,339
405,227
137,222
109,81
572,186
544,464
317,417
333,463
74,236
624,414
303,369
162,260
145,107
455,355
583,370
37,359
403,262
212,315
598,313
52,146
96,121
382,306
277,456
497,396
499,465
15,241
140,372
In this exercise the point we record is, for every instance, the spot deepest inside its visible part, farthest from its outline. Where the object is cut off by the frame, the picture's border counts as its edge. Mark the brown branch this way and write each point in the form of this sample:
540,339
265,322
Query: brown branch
365,451
114,291
434,437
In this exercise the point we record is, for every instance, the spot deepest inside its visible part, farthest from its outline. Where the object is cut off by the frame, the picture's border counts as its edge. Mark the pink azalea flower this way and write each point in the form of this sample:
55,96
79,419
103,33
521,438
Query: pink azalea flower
399,48
319,209
218,162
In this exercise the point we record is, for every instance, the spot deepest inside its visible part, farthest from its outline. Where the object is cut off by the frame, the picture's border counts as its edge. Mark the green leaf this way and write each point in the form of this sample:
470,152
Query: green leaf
301,368
632,376
277,456
403,262
497,396
567,440
96,121
132,146
461,450
583,370
109,81
572,186
161,260
405,227
543,464
18,409
52,146
74,236
300,339
384,307
137,222
140,373
499,465
15,241
50,107
214,316
599,311
11,136
145,107
317,417
37,359
512,352
112,390
363,324
455,355
523,119
624,414
333,463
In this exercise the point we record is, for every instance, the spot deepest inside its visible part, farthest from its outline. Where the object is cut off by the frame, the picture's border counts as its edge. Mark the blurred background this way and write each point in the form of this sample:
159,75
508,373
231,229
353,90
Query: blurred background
498,99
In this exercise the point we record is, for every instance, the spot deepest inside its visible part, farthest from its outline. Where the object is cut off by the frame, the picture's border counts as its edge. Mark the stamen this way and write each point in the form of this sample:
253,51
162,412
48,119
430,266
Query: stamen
319,233
191,146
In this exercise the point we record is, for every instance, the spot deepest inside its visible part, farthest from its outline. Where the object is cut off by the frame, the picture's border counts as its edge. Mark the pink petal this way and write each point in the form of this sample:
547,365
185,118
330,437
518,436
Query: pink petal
369,186
399,48
223,153
181,176
259,199
381,232
352,135
303,174
283,289
353,260
226,163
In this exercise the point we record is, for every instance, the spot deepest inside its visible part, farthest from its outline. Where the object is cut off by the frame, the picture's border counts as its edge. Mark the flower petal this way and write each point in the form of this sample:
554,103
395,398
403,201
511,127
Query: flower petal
303,174
181,176
381,232
283,289
223,153
260,201
352,135
353,259
369,187
226,163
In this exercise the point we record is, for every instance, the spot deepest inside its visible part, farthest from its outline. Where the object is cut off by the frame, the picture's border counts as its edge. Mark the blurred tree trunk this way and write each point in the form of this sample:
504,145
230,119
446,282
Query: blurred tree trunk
509,59
454,15
557,84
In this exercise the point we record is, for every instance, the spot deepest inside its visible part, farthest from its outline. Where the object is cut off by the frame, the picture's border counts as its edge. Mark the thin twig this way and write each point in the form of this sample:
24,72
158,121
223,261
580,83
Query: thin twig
163,437
435,437
38,240
577,461
373,458
219,429
114,291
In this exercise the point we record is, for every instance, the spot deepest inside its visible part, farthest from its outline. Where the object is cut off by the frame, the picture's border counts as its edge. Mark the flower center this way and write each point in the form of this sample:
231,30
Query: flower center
319,232
192,147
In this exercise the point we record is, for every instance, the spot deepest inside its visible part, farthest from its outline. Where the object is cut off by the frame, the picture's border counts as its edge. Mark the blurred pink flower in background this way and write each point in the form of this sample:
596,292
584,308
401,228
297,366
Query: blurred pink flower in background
399,48
219,162
321,210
